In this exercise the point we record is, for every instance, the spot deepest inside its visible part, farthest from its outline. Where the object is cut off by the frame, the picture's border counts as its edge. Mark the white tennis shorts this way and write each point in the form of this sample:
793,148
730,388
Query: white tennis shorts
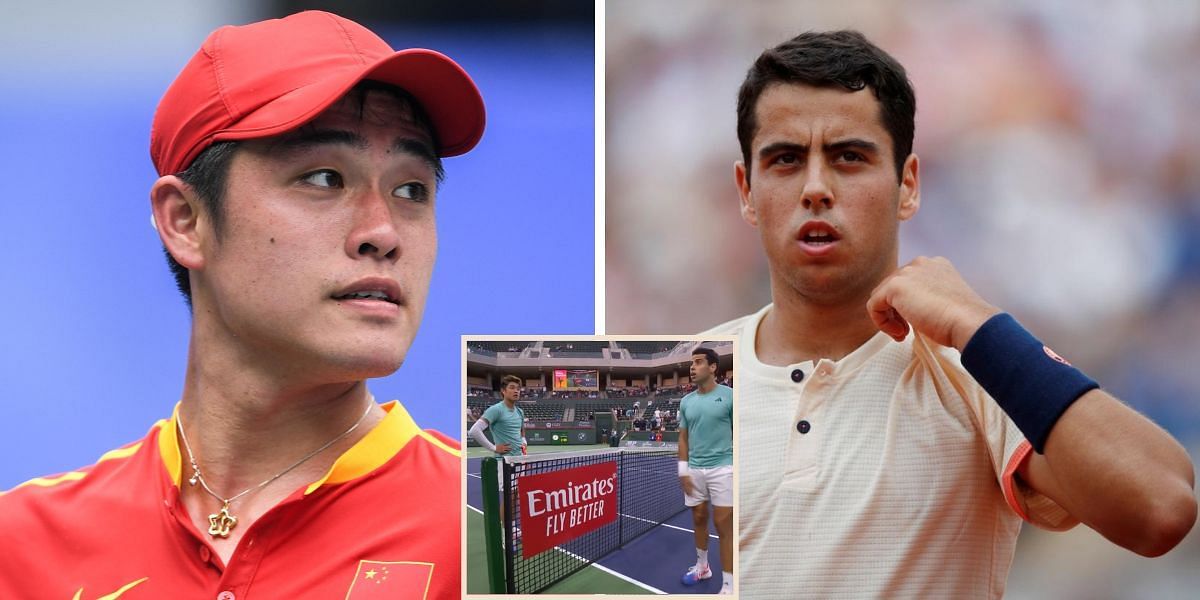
713,485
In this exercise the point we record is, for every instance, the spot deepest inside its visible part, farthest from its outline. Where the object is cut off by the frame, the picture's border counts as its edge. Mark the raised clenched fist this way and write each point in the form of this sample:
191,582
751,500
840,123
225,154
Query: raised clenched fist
929,295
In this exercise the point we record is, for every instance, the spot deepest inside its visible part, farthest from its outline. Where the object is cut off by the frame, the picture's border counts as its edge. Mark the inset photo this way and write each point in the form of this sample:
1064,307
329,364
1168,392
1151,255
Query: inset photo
600,465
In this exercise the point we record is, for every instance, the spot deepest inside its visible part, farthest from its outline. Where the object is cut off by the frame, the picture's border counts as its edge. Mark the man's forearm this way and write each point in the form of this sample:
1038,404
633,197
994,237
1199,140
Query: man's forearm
683,453
1107,465
1110,467
1118,473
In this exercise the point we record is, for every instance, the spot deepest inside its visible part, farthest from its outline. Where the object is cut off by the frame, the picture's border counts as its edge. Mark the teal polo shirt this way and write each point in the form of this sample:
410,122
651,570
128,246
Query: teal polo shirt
506,426
708,419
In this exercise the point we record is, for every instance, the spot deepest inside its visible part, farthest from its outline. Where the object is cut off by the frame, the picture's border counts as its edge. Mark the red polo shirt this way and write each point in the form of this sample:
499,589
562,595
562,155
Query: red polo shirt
384,522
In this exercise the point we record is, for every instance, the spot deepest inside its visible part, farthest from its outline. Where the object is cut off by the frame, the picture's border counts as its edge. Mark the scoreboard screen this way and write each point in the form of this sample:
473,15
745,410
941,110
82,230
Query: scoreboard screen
570,380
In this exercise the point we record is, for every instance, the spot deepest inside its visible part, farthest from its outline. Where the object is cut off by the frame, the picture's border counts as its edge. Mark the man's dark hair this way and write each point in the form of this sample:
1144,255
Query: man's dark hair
843,59
507,379
710,355
209,172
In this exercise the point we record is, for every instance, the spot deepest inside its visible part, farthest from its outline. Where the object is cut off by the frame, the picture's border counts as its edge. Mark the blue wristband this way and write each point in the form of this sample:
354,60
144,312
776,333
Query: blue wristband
1033,385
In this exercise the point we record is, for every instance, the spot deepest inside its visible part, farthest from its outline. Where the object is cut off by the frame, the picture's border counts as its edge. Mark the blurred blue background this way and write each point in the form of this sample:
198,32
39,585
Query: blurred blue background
93,334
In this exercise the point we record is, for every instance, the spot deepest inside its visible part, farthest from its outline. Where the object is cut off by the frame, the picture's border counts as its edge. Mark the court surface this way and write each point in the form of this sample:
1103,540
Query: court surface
650,564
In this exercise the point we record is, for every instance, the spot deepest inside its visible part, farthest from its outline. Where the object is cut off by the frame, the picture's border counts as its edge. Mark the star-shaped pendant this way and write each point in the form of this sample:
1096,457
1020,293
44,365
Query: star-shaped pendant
221,523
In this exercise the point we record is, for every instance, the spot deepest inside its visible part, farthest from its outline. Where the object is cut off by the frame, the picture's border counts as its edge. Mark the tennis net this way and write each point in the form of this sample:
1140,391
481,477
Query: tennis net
564,511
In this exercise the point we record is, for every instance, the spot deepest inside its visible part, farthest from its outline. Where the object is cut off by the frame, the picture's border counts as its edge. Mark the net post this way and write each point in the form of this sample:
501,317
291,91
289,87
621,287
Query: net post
510,519
492,537
621,507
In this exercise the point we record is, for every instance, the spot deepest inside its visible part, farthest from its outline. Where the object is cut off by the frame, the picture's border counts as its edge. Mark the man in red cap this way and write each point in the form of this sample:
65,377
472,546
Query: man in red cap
299,160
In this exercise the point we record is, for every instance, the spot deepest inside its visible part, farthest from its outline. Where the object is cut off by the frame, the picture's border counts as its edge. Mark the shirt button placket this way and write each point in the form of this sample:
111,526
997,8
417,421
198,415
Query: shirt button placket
803,450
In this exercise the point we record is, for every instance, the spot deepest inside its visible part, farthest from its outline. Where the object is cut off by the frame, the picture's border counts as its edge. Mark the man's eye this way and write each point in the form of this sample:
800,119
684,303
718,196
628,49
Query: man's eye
412,191
787,158
323,178
850,156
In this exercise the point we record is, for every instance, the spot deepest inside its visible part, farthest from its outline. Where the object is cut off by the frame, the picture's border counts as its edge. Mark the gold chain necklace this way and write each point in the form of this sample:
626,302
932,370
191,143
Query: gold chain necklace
222,522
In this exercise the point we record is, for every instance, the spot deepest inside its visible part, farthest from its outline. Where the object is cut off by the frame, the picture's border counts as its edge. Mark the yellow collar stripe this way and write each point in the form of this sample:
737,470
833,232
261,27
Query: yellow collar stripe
377,447
168,445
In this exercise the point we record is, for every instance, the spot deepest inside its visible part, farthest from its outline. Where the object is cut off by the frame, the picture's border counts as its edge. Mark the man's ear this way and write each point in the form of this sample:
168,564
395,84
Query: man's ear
910,189
177,215
742,178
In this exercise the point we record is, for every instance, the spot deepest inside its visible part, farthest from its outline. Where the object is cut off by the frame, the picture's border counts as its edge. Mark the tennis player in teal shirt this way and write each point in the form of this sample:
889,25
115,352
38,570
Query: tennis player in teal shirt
507,422
706,464
505,419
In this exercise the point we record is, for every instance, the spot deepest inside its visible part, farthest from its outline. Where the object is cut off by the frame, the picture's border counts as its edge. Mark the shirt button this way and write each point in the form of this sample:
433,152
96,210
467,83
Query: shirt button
226,595
205,554
803,426
797,375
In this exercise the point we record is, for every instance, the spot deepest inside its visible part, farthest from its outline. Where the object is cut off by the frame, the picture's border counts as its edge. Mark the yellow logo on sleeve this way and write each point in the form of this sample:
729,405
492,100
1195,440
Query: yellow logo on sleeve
114,595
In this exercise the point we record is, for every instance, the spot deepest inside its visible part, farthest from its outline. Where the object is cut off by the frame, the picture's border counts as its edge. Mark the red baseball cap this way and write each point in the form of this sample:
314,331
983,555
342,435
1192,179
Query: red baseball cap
270,77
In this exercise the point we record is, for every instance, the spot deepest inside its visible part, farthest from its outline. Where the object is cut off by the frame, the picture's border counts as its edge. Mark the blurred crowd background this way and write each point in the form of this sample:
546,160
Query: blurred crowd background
1060,163
93,334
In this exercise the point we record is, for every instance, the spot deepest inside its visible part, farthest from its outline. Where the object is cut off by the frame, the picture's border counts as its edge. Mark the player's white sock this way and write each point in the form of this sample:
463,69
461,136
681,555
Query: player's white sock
702,558
726,579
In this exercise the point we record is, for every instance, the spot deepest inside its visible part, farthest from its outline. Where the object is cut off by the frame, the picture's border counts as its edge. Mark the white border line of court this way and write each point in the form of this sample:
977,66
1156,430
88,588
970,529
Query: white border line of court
691,531
603,568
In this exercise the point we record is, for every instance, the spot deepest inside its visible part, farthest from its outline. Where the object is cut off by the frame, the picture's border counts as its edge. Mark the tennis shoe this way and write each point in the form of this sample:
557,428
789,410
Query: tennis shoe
695,575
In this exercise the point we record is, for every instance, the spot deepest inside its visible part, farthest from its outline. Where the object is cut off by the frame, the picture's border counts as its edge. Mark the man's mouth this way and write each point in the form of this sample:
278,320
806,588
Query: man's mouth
818,233
368,295
818,238
372,289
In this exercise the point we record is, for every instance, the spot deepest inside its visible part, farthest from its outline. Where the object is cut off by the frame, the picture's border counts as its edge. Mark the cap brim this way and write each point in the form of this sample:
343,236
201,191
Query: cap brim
443,89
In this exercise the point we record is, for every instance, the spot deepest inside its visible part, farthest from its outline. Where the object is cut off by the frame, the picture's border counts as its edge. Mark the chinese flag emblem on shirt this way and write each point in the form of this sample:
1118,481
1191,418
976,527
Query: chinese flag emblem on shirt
392,580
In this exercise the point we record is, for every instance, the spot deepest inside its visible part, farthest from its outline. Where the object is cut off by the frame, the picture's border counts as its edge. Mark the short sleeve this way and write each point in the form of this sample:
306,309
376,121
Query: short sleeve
492,414
683,412
1030,505
1007,448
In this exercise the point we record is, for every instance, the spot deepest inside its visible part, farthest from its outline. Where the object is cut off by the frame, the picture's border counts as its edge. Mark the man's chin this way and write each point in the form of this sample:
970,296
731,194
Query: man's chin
827,286
364,365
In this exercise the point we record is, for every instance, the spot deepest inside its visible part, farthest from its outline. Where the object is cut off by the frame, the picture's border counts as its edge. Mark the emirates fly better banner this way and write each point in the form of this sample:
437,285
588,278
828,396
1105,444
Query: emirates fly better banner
559,506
